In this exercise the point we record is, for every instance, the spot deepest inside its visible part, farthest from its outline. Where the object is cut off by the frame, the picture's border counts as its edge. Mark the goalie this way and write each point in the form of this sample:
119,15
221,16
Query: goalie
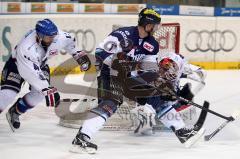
171,68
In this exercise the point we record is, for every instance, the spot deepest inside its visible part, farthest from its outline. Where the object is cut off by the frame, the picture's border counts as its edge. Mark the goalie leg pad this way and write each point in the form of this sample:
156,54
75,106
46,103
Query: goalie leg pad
145,116
172,118
105,109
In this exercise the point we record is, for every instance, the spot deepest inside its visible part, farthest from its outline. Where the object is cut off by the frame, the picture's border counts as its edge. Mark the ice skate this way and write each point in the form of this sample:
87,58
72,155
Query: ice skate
81,144
188,137
13,118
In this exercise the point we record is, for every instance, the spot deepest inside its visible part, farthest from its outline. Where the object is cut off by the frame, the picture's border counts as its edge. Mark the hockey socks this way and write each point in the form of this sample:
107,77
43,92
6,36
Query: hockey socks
91,126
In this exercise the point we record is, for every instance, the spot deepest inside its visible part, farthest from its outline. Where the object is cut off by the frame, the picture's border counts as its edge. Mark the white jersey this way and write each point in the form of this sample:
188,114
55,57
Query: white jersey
30,55
185,69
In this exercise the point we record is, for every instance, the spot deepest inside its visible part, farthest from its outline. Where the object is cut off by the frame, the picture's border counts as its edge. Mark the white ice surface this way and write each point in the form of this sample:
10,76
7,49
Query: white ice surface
40,137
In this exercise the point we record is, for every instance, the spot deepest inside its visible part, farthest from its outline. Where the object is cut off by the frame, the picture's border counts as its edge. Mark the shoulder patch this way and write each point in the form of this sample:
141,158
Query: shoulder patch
148,46
53,52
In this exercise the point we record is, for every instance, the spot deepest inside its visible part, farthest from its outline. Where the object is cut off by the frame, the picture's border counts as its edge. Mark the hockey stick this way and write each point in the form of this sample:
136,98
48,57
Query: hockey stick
173,94
75,100
202,117
201,107
235,115
69,100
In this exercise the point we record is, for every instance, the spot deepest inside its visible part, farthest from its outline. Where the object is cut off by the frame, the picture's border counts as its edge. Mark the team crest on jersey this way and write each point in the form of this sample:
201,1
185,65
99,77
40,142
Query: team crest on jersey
148,46
53,52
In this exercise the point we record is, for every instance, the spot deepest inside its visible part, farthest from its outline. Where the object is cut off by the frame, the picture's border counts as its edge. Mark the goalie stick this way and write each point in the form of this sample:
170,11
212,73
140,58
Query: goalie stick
202,117
229,119
201,107
234,116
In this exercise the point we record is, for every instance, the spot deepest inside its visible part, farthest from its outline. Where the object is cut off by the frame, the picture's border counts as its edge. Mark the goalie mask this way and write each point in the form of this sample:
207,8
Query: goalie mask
168,69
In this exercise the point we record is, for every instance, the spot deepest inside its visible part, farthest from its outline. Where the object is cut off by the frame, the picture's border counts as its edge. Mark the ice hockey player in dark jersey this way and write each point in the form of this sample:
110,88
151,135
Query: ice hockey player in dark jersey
124,46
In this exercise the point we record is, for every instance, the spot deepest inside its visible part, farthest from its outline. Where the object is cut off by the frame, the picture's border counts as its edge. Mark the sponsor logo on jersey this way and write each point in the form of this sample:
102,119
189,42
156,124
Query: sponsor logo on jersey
53,52
148,46
135,56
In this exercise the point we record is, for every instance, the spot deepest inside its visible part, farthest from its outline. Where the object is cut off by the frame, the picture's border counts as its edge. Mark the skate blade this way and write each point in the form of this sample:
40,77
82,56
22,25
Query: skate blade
195,138
80,150
9,122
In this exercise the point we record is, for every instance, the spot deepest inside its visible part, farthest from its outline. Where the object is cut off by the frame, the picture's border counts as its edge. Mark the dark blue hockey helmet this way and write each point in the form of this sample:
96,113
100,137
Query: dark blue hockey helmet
46,27
148,16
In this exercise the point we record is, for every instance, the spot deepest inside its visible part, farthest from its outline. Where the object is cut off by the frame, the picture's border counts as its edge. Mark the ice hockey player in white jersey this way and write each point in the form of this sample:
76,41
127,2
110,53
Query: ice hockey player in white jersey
124,46
171,67
28,62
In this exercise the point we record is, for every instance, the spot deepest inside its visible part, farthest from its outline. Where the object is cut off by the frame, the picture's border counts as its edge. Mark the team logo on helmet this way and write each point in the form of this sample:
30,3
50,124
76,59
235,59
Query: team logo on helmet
152,12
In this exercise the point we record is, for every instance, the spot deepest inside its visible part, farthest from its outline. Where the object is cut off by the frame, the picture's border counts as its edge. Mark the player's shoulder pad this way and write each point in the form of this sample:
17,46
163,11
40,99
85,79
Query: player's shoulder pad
66,36
123,32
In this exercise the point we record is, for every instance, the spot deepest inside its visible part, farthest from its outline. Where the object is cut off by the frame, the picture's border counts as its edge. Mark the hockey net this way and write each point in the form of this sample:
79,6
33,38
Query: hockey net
168,37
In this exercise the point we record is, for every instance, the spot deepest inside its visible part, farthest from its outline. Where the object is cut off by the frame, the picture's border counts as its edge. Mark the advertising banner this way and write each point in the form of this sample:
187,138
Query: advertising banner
94,8
196,10
227,12
14,7
127,8
38,7
65,8
165,9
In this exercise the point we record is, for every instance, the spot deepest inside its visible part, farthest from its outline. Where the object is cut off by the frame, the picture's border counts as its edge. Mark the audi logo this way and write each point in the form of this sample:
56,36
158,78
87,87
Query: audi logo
86,39
215,40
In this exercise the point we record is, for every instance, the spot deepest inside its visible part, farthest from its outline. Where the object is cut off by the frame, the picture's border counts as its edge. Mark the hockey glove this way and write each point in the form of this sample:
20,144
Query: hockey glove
186,93
83,60
126,45
52,96
120,64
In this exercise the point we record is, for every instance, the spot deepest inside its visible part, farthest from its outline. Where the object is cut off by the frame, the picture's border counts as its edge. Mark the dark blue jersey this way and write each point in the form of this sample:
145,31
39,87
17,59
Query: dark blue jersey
126,39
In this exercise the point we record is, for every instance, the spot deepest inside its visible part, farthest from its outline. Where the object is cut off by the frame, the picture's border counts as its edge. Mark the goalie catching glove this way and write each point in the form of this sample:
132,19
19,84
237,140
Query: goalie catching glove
52,96
83,60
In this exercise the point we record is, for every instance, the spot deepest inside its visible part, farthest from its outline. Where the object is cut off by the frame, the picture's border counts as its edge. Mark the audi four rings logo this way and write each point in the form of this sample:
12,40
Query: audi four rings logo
215,41
86,39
